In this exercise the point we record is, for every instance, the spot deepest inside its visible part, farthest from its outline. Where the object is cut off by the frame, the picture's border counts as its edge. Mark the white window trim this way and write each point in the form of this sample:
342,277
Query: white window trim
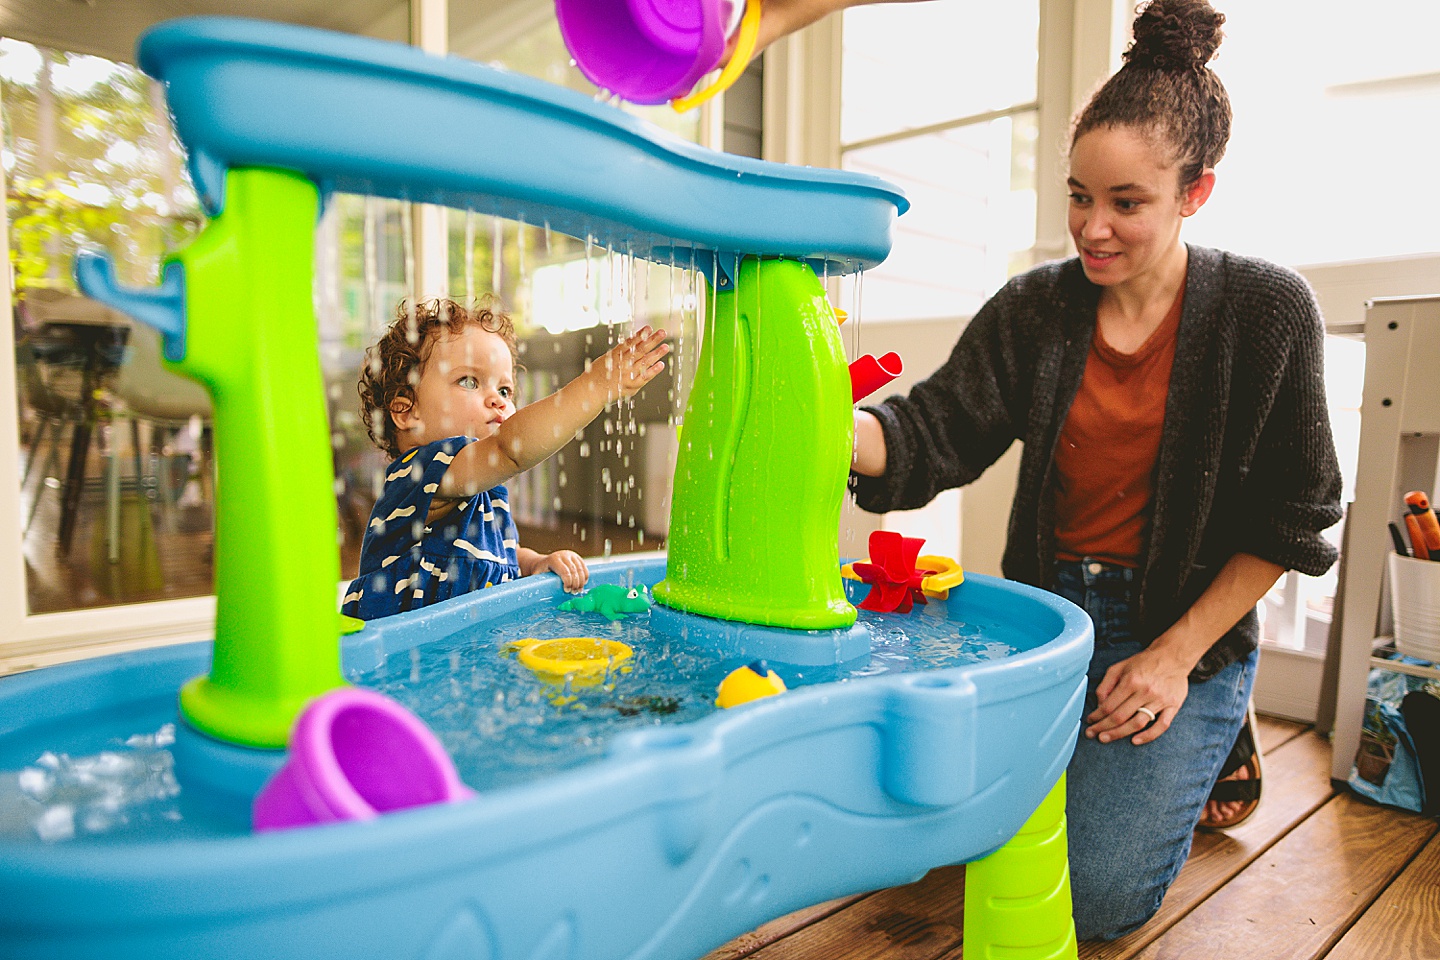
34,640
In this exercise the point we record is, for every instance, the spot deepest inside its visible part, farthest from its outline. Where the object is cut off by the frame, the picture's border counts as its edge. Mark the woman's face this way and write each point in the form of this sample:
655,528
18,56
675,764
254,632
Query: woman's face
1126,205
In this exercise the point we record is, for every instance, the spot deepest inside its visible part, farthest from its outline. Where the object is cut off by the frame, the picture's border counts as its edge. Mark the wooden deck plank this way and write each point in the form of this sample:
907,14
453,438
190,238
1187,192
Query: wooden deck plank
1404,924
1297,783
919,921
1304,893
1275,732
779,928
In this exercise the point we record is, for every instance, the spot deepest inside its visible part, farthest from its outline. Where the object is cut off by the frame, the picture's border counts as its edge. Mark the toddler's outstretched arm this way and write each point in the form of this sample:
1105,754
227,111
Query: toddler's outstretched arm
540,429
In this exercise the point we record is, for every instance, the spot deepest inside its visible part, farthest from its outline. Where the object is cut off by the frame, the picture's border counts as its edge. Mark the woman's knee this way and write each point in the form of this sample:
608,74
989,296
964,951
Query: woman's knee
1122,859
1113,910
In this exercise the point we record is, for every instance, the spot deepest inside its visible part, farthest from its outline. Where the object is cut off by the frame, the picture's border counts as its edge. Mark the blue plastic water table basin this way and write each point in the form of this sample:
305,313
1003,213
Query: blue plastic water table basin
681,837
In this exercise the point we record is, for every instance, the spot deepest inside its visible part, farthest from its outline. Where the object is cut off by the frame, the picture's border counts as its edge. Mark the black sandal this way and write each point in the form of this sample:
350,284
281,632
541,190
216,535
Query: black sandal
1244,754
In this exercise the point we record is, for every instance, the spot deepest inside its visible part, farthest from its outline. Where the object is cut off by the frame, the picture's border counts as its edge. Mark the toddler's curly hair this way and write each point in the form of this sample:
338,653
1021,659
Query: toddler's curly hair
394,364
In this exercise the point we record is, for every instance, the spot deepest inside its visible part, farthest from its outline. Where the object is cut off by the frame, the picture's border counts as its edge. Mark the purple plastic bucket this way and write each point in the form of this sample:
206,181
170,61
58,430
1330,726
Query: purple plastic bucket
355,754
647,51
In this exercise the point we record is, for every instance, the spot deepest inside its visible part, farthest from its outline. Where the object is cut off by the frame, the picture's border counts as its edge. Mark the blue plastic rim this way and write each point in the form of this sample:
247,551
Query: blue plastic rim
683,837
249,93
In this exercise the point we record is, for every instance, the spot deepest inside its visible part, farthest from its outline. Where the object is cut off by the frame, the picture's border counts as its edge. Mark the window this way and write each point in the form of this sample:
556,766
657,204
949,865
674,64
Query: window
1329,160
1332,153
89,158
941,99
569,299
115,482
114,510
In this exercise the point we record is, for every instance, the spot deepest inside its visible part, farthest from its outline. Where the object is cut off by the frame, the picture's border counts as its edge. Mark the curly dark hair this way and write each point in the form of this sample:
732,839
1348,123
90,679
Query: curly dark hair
393,365
1166,89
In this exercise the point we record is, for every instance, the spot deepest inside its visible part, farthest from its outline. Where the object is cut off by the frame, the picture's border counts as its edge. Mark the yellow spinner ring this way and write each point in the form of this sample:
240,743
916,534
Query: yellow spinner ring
571,656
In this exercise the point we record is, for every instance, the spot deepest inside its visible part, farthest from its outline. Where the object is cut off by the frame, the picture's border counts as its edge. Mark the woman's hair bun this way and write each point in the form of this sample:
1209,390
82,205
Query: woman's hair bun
1175,35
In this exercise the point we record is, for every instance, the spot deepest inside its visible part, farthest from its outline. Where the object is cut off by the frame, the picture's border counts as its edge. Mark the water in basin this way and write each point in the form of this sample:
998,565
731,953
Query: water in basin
112,778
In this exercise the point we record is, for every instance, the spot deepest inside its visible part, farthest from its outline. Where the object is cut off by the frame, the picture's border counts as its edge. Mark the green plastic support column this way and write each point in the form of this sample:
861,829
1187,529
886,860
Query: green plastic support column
252,339
1017,900
764,455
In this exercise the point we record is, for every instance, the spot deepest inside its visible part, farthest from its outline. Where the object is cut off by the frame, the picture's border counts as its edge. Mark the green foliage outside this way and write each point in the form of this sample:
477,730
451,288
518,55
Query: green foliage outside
90,159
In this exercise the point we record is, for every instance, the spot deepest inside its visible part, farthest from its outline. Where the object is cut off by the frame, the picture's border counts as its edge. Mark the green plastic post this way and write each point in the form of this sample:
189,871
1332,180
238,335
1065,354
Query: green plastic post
252,339
763,458
1017,900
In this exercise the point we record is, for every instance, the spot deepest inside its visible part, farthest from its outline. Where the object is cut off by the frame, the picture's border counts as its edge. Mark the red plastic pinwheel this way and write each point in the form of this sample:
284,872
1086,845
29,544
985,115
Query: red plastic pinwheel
894,580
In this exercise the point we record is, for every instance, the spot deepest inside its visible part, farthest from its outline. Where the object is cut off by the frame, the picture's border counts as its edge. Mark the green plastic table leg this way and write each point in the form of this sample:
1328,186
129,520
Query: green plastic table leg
252,339
1017,900
763,458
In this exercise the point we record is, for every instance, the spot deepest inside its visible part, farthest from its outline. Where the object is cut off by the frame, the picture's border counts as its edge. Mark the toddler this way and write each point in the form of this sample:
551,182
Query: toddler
438,391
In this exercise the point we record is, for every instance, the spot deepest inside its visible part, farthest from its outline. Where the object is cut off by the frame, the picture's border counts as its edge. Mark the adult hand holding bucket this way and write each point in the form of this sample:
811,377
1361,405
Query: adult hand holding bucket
651,51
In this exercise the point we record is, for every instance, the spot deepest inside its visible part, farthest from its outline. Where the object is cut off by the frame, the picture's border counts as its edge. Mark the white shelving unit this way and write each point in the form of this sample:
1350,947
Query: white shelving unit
1399,451
1431,672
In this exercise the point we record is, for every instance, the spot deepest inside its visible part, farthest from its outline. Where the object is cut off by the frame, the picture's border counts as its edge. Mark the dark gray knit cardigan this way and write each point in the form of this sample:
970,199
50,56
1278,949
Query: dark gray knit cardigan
1246,461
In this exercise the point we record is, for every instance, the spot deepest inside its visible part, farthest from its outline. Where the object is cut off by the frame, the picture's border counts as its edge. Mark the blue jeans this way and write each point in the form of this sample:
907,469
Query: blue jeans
1132,810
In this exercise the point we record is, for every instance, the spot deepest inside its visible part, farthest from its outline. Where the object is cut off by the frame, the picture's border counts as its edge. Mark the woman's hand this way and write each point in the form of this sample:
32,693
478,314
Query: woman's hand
781,17
1140,695
568,565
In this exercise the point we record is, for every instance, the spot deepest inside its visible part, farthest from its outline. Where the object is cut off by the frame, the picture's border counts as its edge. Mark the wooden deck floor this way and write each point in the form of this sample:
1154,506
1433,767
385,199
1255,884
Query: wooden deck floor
1316,873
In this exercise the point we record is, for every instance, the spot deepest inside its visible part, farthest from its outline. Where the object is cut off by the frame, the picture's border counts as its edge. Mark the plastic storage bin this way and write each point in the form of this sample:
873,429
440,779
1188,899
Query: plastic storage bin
1415,604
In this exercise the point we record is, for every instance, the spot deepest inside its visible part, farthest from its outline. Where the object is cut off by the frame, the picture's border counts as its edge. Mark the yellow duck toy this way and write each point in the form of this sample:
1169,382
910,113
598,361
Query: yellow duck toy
750,682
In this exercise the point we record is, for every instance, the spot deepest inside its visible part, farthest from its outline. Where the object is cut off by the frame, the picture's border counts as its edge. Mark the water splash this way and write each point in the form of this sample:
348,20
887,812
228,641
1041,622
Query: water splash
61,797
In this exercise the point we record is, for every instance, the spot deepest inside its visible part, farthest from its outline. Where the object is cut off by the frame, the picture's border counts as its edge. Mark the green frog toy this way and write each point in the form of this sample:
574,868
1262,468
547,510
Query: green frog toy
611,600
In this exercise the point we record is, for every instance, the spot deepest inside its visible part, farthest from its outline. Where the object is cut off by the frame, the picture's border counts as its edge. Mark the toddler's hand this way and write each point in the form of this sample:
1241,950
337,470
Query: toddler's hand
571,569
631,364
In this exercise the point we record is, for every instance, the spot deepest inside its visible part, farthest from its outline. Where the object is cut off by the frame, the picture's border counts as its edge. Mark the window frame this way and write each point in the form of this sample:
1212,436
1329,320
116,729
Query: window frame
801,125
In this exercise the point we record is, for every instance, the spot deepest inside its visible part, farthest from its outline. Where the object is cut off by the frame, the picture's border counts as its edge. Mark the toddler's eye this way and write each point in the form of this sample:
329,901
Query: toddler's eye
507,392
469,383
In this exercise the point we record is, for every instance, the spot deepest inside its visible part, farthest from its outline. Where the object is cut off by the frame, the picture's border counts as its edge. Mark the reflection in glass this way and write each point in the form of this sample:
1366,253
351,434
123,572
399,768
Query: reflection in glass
570,301
115,450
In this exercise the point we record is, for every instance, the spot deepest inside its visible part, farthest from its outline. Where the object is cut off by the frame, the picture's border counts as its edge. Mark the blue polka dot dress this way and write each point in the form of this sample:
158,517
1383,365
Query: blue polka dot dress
406,563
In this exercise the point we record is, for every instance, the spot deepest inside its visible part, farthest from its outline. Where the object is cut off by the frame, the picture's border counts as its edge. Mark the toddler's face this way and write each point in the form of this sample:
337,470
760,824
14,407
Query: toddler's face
467,388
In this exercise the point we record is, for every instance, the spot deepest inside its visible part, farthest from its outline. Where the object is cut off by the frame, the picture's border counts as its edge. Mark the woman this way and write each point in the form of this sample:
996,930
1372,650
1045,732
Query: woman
1177,456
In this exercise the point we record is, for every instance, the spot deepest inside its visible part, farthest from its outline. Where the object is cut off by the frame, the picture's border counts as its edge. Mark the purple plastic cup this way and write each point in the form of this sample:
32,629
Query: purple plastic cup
355,754
647,51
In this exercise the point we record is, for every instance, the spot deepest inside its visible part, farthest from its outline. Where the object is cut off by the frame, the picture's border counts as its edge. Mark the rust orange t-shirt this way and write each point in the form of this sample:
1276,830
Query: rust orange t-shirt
1105,460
